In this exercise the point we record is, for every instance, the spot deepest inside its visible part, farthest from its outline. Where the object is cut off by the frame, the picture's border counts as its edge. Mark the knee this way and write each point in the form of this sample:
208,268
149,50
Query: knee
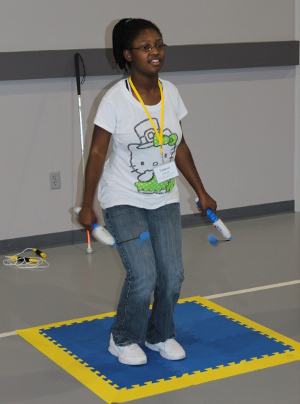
148,280
177,283
172,282
144,282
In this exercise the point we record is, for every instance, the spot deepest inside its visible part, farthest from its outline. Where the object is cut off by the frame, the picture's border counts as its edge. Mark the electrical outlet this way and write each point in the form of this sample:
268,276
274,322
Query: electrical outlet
55,180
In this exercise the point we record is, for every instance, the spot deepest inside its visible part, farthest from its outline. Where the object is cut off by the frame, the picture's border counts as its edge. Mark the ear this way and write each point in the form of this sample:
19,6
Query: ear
127,55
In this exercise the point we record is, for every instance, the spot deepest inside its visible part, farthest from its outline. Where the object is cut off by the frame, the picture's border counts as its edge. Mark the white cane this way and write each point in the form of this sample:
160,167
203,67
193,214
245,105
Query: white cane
77,56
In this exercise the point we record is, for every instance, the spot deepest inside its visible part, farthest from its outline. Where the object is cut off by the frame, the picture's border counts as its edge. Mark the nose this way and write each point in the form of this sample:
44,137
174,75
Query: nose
154,50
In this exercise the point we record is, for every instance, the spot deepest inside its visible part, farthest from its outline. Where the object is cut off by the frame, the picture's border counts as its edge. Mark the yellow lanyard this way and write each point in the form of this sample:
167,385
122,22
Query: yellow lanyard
158,135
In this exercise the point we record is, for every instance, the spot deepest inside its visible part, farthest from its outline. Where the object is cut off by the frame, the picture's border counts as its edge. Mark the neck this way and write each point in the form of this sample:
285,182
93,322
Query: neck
148,89
144,84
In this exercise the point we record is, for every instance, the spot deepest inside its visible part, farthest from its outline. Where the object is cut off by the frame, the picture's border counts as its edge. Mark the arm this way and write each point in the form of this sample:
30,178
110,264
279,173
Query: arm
94,167
185,163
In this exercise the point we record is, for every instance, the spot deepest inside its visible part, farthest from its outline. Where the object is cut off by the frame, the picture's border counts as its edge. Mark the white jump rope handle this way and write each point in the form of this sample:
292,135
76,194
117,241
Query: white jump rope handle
217,223
99,232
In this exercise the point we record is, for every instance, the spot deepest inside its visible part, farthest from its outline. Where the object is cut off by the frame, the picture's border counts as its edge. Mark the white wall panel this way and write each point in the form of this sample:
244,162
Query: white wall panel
77,24
240,125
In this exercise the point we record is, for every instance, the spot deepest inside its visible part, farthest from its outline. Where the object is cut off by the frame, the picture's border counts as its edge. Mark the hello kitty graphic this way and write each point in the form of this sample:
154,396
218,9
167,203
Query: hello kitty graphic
145,157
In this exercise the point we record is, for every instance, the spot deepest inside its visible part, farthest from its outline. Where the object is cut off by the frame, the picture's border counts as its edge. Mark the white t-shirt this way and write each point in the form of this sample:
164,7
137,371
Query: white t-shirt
128,176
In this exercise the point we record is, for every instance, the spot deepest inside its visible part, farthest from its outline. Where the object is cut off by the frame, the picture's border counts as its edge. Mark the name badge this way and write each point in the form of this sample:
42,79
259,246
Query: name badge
166,172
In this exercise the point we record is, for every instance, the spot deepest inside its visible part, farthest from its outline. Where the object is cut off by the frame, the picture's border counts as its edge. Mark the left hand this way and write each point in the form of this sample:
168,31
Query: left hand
206,201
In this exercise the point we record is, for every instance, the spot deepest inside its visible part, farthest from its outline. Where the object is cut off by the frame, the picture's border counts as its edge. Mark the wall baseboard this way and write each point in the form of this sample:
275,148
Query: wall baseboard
192,220
245,212
98,62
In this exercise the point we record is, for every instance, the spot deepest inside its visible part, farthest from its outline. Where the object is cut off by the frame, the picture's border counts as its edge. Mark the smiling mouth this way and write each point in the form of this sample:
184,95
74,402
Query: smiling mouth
155,61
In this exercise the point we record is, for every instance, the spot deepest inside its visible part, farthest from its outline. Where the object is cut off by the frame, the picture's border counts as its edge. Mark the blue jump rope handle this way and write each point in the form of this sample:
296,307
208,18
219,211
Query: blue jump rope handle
94,226
218,224
211,215
101,234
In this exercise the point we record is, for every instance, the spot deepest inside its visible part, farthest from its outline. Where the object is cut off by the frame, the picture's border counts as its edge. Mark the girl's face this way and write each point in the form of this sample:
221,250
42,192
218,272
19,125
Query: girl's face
147,62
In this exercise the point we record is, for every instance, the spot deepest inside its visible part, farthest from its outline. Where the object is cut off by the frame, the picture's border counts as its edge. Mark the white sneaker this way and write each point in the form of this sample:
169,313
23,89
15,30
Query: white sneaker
129,354
170,349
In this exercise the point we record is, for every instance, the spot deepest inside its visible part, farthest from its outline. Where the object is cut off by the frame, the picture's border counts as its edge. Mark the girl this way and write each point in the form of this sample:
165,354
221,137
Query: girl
138,191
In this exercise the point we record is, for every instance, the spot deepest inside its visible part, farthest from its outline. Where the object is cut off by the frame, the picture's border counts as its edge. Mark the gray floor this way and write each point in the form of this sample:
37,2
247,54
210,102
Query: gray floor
264,251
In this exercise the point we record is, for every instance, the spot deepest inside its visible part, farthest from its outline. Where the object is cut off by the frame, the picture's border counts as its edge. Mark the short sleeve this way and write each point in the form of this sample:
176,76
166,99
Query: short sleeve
106,116
182,111
175,99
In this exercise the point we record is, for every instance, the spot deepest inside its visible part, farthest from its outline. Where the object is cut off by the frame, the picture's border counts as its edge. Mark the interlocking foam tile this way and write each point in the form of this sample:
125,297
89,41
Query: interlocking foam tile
218,344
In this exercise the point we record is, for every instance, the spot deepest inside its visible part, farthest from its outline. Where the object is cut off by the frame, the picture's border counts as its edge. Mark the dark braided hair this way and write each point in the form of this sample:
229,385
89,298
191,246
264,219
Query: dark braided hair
124,33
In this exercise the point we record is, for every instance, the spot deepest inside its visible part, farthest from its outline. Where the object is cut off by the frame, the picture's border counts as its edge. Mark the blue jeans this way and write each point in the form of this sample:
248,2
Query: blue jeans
155,265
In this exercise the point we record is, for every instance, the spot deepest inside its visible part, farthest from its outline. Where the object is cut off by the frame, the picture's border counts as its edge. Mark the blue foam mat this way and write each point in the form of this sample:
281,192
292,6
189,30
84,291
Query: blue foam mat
209,338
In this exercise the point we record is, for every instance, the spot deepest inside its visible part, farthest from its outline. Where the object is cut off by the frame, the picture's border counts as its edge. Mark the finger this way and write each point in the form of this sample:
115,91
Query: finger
85,223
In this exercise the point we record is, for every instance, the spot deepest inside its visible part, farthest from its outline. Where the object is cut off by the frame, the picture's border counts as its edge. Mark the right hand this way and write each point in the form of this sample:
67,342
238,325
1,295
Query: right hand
87,217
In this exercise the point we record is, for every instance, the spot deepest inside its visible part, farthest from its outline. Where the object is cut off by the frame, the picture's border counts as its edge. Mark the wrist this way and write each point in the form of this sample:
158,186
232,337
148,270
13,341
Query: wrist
201,192
86,205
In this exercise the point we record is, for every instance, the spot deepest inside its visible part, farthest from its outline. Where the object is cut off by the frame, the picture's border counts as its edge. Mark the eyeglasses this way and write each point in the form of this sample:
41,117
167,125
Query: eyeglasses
148,48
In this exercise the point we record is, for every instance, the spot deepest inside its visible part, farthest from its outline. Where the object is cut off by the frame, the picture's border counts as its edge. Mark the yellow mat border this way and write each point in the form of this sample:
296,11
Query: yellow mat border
102,387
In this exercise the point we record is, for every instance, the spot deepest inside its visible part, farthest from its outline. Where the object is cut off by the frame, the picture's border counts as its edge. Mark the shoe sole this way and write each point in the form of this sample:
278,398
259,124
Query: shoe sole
170,358
114,352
